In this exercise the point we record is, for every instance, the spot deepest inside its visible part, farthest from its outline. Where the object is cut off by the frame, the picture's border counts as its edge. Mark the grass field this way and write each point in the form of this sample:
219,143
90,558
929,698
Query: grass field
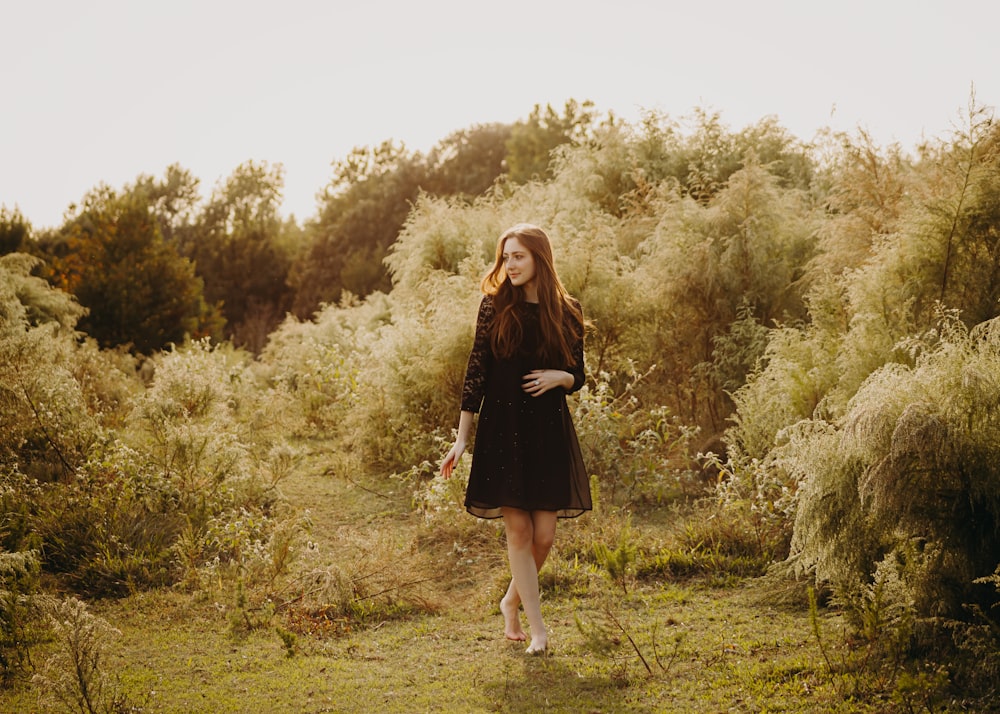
703,645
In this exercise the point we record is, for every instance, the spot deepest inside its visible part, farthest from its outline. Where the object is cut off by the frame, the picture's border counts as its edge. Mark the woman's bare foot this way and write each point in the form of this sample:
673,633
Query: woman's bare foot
511,622
539,645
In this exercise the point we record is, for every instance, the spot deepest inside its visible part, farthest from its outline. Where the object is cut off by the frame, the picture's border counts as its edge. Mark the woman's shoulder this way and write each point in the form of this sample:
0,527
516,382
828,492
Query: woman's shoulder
575,306
486,307
574,314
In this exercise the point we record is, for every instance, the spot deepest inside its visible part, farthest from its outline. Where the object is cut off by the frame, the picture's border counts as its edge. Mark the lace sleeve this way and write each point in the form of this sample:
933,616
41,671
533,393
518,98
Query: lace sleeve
579,375
480,359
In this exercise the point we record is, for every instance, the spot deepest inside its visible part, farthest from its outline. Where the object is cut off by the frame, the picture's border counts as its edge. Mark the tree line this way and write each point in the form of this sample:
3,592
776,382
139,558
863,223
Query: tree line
154,264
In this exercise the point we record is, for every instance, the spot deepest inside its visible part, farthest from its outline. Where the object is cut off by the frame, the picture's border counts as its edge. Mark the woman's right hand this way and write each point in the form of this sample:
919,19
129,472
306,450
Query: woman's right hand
462,436
451,459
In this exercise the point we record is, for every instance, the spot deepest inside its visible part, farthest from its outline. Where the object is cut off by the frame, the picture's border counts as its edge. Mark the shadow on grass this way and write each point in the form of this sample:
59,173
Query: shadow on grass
533,684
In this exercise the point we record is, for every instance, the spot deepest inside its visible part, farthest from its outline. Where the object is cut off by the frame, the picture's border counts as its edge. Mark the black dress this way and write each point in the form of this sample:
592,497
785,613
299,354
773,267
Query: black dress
526,452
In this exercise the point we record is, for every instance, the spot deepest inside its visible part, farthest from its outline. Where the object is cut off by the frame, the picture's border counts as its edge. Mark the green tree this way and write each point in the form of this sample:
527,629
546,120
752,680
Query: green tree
174,199
468,162
15,231
532,140
373,190
237,245
363,208
139,291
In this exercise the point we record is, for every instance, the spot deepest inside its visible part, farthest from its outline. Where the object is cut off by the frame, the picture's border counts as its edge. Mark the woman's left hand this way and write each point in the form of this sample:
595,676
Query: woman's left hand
539,381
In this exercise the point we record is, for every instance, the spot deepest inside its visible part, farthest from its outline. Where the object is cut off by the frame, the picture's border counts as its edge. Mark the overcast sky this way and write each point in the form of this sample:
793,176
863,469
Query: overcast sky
105,90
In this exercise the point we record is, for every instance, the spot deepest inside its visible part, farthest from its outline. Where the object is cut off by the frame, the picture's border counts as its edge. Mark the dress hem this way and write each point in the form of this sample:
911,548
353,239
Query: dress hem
495,512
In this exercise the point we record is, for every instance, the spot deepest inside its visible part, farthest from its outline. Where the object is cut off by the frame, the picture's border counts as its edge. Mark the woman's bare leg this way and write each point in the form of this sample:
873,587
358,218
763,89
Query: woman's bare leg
543,534
529,539
510,609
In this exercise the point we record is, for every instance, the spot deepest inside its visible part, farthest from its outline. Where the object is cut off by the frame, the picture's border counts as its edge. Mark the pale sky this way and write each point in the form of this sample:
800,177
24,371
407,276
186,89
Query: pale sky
102,91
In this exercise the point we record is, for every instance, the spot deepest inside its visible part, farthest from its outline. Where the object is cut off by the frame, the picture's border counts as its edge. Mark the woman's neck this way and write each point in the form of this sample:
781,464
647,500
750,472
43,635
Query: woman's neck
531,292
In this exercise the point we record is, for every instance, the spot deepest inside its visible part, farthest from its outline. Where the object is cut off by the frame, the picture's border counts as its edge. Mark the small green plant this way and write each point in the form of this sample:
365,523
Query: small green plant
288,639
875,658
921,691
619,562
246,615
817,630
641,454
975,654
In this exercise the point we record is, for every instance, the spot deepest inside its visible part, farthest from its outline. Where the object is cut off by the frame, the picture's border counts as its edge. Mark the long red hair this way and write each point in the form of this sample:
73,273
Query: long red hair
554,304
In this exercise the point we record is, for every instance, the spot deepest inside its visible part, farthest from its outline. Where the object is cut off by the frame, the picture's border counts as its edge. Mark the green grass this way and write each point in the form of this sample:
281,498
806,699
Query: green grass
719,650
708,648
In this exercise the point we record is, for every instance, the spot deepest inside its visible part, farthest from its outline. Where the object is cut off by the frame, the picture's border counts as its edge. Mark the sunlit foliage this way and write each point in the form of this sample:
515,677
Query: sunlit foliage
681,288
877,406
910,479
44,423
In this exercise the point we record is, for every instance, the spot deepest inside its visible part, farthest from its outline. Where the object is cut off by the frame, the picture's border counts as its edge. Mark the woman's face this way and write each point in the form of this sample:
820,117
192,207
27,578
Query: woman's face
519,262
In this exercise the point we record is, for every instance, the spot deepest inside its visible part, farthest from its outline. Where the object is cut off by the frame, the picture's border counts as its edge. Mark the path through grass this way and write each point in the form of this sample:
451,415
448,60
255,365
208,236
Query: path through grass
659,647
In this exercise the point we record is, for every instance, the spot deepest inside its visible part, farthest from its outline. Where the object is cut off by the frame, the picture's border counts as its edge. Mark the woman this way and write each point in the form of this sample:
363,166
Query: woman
526,464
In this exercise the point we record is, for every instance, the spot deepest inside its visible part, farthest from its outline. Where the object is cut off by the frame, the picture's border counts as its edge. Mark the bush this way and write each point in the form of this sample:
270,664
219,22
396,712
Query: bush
20,625
110,529
194,450
46,426
910,476
639,455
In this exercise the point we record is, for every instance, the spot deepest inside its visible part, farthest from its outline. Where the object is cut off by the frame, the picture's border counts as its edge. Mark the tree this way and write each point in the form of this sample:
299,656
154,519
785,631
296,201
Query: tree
532,141
237,246
367,202
15,231
139,291
173,200
363,208
468,162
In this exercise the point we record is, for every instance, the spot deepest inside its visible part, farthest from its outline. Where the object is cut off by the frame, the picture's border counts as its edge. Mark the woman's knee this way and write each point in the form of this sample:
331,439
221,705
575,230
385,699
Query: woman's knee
543,532
542,540
518,528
